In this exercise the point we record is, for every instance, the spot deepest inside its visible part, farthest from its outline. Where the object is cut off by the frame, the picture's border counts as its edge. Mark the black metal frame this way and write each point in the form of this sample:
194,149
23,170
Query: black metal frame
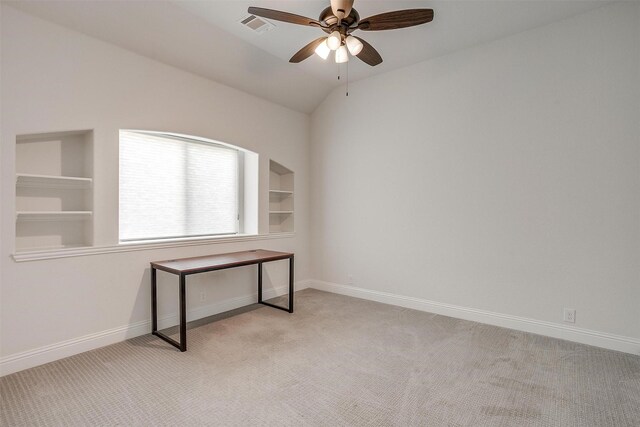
182,345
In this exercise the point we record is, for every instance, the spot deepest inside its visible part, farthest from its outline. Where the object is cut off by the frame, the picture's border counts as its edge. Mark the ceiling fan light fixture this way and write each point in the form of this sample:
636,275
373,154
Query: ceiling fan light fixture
323,50
334,40
339,21
354,45
342,55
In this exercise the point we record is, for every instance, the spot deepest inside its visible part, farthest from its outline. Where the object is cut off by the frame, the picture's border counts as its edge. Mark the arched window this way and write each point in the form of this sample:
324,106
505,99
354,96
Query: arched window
175,186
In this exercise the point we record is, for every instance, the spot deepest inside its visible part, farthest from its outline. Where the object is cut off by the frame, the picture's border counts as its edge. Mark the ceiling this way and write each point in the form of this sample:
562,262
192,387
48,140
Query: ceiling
206,38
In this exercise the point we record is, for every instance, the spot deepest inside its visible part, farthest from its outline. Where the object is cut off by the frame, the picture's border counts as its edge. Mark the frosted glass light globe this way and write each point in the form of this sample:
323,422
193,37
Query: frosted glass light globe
342,55
354,45
323,50
334,40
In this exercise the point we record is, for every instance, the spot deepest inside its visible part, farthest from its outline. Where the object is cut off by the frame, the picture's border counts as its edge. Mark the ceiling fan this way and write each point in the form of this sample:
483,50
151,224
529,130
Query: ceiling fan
339,21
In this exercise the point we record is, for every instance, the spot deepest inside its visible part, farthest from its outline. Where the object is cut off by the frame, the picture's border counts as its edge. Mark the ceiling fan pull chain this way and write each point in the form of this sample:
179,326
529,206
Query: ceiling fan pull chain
347,79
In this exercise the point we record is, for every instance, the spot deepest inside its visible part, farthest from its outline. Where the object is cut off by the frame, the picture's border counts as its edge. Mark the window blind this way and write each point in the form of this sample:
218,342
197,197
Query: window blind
173,187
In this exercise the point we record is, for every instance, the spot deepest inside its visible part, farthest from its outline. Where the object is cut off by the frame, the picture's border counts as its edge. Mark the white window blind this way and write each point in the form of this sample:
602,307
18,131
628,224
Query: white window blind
172,186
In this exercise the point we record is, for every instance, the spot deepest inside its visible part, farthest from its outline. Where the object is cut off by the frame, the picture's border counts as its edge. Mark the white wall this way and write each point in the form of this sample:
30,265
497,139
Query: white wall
503,178
54,79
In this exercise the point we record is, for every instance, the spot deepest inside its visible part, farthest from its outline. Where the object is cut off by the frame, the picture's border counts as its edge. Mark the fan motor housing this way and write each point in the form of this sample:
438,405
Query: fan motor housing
330,19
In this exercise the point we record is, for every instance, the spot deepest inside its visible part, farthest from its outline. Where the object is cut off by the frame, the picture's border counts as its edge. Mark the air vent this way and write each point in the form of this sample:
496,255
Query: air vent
256,24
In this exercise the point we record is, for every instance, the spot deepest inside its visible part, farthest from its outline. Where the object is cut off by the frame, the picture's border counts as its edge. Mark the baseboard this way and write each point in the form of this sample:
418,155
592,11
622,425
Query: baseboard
583,336
39,356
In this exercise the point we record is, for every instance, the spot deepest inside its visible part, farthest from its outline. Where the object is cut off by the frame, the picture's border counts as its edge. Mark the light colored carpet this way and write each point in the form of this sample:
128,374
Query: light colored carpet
336,361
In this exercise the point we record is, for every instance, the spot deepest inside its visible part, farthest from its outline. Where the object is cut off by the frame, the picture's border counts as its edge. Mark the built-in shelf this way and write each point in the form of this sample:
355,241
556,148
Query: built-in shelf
27,180
281,180
53,215
54,197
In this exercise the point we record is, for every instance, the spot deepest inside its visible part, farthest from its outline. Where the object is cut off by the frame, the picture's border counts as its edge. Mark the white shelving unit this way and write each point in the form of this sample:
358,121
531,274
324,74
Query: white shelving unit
54,197
281,195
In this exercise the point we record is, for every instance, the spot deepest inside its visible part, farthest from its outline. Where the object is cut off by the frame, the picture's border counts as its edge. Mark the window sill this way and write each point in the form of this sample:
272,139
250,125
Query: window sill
146,246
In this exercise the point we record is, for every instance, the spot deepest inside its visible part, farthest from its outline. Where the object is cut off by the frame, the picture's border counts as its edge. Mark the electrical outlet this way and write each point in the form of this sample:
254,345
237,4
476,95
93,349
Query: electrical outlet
569,315
203,296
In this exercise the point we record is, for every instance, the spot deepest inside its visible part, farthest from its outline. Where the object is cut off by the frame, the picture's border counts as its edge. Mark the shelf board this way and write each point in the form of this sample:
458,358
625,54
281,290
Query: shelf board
280,195
27,180
53,215
278,168
52,135
280,212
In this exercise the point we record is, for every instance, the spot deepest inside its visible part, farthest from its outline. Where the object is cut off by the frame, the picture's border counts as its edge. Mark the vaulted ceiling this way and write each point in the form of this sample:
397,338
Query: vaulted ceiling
206,37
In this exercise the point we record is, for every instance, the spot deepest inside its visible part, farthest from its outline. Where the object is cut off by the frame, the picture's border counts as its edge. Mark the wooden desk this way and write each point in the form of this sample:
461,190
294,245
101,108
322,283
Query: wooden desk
186,266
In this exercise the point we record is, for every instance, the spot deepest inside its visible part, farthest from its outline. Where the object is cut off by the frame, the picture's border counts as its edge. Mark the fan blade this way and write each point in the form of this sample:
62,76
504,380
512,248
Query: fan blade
396,19
368,54
307,51
277,15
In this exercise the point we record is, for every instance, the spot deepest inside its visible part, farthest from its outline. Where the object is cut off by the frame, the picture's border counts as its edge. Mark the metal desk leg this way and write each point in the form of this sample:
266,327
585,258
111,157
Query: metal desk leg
183,314
290,308
259,282
182,345
291,284
154,301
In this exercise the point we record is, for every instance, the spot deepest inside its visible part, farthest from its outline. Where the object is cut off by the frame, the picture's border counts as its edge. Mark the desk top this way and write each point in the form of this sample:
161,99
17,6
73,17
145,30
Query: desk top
219,261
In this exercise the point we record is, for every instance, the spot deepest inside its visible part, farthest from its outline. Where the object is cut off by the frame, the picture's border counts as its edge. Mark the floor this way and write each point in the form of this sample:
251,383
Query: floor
336,361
